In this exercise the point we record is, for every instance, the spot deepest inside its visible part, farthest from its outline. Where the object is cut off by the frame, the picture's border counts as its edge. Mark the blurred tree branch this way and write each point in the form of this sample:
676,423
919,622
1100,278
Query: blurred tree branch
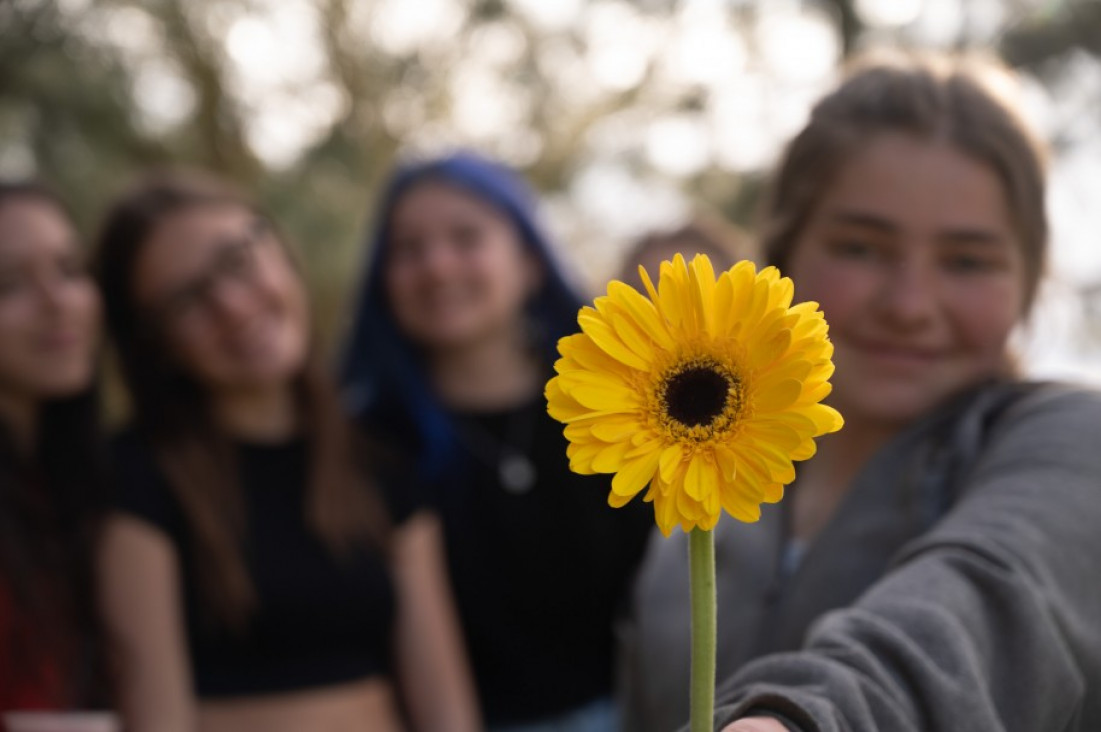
70,110
1075,24
218,139
67,99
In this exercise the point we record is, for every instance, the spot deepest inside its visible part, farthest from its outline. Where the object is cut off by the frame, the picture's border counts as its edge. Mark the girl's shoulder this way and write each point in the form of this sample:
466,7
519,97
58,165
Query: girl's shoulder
1021,424
1064,411
1006,406
390,466
1041,432
139,486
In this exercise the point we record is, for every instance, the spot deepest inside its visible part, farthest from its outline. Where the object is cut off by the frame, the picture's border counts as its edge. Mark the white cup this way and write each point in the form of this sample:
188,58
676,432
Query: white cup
61,722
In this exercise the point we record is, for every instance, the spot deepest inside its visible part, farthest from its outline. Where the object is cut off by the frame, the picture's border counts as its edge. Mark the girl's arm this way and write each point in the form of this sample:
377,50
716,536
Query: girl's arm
140,603
432,664
988,622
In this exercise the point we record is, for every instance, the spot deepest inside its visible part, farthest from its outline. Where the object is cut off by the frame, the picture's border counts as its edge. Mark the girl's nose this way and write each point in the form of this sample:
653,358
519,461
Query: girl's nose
908,297
56,292
229,298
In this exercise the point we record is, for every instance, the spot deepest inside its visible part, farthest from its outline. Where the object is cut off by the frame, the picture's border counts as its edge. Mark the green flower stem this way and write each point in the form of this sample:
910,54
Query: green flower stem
701,559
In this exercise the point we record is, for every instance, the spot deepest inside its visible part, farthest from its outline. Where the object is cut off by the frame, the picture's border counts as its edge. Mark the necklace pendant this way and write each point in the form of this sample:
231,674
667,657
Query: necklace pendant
517,473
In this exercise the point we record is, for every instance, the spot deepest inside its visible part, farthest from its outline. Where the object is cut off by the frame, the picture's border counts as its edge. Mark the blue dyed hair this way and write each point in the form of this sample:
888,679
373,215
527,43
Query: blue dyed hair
384,379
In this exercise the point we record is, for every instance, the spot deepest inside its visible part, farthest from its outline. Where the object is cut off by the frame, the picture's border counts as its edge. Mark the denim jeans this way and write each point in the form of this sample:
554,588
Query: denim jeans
596,716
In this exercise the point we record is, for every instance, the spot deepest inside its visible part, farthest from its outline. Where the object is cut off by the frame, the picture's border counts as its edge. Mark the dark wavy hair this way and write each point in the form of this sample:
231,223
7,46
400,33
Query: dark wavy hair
384,379
52,499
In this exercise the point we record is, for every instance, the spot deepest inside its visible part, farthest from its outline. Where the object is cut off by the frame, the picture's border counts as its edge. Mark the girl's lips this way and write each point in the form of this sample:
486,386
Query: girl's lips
59,341
254,339
897,353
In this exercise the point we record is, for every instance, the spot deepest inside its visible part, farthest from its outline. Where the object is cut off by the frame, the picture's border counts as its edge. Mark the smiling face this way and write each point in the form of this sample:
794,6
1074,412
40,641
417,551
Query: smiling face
913,258
49,306
456,272
222,296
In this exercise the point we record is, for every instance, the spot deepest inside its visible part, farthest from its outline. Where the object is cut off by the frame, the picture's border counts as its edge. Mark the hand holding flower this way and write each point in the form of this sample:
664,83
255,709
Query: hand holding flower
756,724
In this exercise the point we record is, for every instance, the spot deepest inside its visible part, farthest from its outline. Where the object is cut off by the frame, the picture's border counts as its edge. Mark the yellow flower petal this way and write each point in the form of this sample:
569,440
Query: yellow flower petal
759,302
712,508
727,462
774,493
645,315
610,458
806,450
620,427
781,396
635,474
778,434
826,419
609,341
783,473
579,432
648,284
561,405
702,290
752,469
603,396
671,462
722,306
633,337
666,301
581,352
816,392
789,368
688,507
617,501
665,513
696,478
736,506
770,350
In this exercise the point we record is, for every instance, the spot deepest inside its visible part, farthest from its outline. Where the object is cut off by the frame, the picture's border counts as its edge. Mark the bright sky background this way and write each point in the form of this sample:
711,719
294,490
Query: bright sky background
754,102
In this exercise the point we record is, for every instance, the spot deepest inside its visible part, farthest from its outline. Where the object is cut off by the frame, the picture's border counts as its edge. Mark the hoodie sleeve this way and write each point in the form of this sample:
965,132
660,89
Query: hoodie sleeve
987,623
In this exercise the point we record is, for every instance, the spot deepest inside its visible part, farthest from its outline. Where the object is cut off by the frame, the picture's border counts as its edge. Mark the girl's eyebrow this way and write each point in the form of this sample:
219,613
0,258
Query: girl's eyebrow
959,234
964,235
863,219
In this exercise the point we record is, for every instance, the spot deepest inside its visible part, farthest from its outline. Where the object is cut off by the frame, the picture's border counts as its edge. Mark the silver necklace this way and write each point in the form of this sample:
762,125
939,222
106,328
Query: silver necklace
516,473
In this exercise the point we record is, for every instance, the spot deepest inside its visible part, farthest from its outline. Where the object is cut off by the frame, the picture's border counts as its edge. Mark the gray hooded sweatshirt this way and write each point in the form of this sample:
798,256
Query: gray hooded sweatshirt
956,589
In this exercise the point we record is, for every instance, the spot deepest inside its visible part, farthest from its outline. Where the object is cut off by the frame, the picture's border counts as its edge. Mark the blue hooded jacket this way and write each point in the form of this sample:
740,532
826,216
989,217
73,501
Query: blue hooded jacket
383,377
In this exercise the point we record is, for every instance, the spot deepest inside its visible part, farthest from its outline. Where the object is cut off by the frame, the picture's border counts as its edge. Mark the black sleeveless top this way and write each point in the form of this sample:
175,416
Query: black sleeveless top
320,620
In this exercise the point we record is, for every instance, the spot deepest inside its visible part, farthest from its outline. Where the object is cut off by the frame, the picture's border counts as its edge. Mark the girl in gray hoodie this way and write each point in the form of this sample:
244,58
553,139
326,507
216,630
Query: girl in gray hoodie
936,567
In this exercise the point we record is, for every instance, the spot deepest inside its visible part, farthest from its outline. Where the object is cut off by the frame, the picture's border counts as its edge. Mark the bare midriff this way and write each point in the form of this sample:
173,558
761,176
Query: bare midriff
357,707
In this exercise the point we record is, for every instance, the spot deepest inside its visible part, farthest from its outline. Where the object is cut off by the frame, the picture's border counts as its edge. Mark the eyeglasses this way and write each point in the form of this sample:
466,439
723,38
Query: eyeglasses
234,261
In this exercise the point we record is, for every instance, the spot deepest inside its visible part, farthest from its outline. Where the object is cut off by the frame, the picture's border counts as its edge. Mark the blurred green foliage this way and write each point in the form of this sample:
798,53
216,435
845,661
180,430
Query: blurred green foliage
70,114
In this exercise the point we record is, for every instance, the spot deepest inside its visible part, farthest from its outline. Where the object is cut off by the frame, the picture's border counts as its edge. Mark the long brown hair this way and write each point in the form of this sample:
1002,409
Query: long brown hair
935,98
51,503
171,409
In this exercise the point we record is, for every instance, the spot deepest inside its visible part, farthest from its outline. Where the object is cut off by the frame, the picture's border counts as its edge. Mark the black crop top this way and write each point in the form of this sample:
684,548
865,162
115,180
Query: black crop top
320,620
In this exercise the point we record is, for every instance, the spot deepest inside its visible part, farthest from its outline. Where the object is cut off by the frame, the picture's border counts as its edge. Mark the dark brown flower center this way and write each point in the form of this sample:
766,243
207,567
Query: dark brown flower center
696,395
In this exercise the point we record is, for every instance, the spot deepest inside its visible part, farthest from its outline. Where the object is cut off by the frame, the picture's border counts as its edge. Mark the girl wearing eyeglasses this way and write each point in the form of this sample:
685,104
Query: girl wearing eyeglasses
254,575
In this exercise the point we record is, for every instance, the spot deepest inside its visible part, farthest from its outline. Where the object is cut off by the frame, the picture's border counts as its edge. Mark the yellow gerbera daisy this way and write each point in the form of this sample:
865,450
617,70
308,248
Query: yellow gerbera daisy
707,391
